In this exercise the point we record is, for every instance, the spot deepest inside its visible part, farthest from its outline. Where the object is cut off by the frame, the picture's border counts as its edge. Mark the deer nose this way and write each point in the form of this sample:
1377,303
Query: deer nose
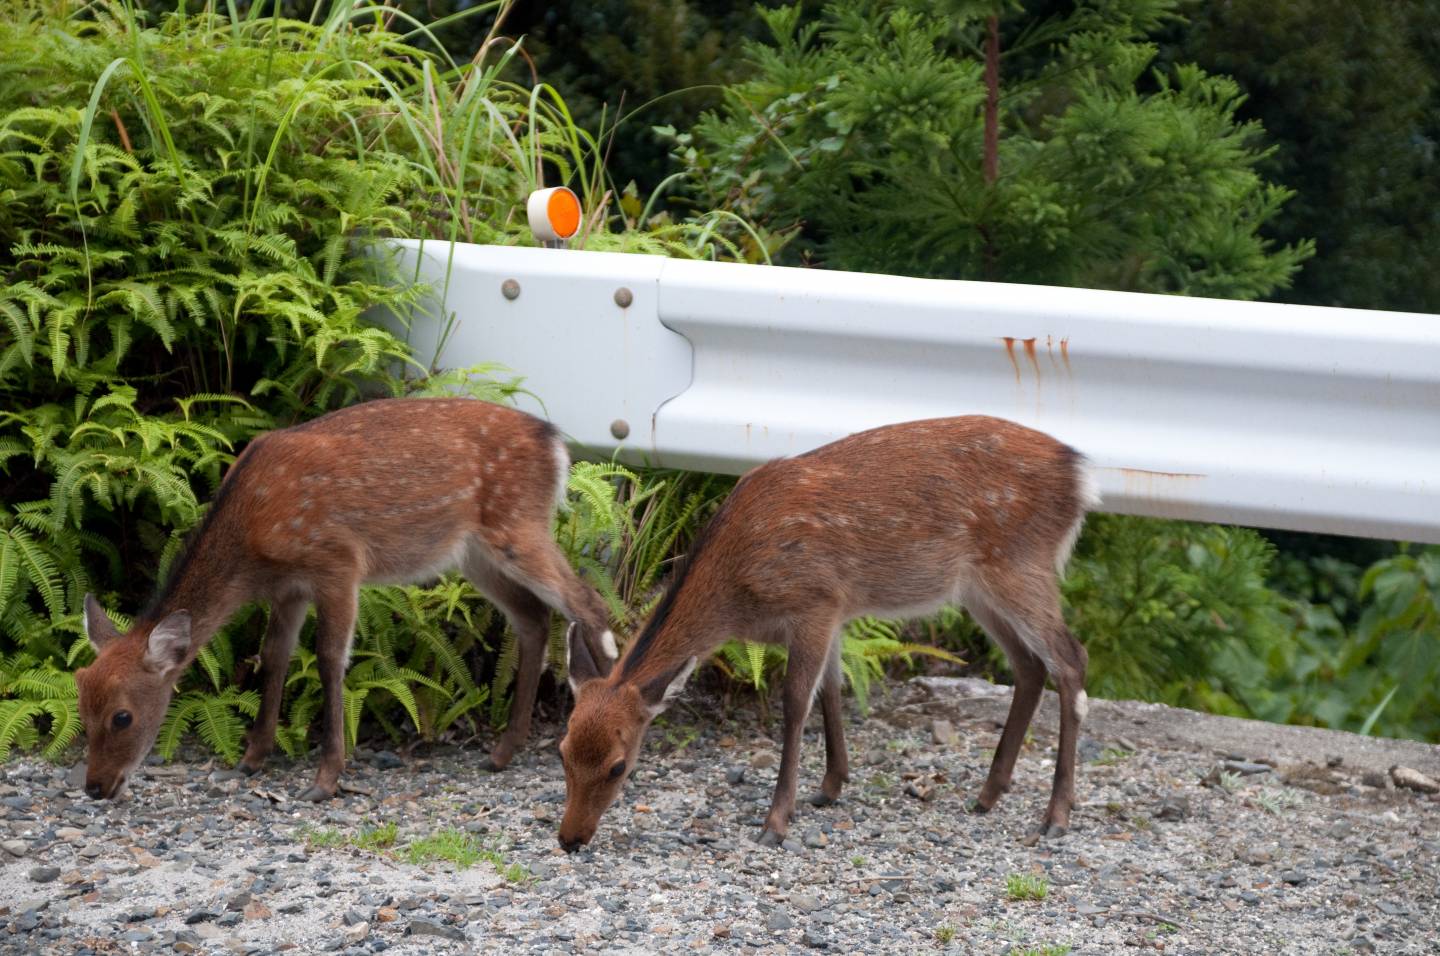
94,791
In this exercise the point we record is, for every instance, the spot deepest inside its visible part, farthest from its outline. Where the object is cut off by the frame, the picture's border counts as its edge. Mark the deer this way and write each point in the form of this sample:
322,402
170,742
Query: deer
893,522
388,491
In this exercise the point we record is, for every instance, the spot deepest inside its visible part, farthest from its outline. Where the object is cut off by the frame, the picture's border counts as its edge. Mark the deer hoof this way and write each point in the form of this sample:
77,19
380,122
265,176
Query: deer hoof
495,766
1045,831
821,799
769,837
975,806
316,794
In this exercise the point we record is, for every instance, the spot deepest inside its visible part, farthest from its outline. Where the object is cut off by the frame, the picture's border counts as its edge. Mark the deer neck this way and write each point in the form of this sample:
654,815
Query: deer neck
208,582
693,627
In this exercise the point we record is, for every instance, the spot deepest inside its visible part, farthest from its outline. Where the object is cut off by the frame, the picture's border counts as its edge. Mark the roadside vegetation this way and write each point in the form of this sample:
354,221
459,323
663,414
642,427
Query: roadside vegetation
192,198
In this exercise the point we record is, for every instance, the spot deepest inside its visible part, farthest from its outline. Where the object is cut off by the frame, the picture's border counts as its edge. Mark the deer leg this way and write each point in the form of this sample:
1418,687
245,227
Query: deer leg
332,650
538,564
530,619
837,761
1068,671
1025,697
802,671
278,646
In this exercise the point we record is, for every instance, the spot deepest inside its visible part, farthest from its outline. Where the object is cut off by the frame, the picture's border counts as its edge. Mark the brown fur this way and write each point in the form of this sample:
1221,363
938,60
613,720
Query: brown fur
389,491
892,522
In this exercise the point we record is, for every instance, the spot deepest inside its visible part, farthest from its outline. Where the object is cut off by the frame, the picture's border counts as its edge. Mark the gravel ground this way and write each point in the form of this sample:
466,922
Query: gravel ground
1297,848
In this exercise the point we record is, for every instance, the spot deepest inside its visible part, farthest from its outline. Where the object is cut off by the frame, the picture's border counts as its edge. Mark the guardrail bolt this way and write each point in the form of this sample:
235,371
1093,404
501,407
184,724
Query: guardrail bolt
620,428
510,289
623,297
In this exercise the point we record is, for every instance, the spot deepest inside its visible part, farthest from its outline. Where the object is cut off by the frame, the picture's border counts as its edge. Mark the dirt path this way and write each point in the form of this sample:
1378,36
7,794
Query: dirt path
1300,857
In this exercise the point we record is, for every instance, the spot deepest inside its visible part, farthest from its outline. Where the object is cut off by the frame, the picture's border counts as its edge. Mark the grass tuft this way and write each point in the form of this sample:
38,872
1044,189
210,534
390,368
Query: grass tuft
1023,886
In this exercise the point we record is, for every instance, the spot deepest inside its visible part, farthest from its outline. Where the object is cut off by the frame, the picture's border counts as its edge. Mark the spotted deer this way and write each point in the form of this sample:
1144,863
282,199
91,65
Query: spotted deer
390,491
892,522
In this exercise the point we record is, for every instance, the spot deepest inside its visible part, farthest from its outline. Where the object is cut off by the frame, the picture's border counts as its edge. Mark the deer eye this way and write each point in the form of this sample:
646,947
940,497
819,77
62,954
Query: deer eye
617,770
121,720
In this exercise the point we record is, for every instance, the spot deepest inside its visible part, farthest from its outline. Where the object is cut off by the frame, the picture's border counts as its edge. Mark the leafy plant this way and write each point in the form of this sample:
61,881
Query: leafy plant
191,214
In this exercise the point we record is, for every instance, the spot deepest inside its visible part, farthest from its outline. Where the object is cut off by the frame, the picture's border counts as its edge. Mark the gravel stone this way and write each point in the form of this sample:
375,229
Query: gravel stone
425,927
44,874
1302,858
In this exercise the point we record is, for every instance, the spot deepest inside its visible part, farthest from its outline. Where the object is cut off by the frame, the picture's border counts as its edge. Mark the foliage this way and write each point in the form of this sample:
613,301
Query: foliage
1160,605
867,645
861,134
628,65
1350,95
1373,670
188,216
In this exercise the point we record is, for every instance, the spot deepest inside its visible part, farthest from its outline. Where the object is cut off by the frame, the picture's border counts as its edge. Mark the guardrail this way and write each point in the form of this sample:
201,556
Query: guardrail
1261,414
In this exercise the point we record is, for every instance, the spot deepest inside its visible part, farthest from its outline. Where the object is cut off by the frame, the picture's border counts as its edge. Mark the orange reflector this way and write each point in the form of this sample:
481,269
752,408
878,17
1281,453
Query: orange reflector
554,213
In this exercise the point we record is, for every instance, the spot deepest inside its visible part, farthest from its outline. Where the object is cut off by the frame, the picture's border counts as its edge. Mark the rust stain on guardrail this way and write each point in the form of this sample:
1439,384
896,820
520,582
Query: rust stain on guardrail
1030,354
1010,351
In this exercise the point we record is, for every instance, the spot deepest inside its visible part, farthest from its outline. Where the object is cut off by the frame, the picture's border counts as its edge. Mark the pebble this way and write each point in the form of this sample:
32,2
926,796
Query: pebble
1413,780
1246,768
764,760
44,874
1173,808
425,927
942,733
15,847
777,922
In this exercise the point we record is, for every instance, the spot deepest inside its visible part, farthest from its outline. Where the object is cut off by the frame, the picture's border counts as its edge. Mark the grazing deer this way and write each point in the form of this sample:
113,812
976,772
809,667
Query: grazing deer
892,522
390,491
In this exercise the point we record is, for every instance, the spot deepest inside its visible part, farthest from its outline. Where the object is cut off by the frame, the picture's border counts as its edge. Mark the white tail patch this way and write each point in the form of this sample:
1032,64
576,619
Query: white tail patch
562,482
1082,706
1088,490
607,641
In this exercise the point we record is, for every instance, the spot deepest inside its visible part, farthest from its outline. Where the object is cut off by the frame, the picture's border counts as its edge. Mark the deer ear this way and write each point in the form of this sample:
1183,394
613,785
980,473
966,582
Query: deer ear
169,642
98,626
579,663
659,692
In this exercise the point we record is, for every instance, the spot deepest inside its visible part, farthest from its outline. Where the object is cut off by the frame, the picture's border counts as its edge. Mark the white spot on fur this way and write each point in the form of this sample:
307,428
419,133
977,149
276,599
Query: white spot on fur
607,641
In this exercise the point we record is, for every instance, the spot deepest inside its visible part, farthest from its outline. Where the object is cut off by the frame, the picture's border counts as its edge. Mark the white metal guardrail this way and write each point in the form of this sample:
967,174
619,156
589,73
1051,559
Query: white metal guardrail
1249,413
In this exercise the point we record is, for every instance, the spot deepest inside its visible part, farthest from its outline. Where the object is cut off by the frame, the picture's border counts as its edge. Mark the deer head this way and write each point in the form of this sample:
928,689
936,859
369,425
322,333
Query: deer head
125,693
603,738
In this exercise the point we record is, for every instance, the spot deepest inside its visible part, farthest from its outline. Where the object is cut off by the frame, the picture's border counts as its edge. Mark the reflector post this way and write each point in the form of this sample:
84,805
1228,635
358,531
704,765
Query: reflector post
554,213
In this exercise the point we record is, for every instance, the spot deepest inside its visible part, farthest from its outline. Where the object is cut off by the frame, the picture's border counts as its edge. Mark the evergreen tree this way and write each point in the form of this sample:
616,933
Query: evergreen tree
862,137
1350,93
